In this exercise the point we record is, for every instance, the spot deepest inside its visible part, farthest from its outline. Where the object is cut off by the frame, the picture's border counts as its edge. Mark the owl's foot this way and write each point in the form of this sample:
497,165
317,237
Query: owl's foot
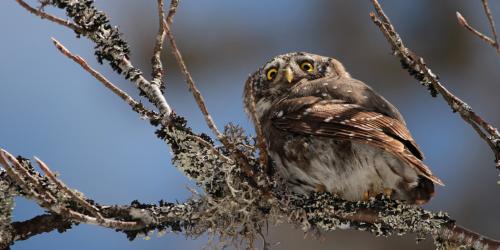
368,194
388,192
320,188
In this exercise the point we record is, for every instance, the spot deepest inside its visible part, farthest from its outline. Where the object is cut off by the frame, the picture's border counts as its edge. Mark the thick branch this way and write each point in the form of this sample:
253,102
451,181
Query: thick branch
383,216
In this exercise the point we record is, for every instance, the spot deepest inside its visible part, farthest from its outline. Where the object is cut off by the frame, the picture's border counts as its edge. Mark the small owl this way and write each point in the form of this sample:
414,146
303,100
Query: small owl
327,131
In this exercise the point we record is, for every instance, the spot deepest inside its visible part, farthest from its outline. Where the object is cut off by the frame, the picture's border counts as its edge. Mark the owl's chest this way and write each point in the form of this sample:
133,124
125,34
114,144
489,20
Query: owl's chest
311,163
297,155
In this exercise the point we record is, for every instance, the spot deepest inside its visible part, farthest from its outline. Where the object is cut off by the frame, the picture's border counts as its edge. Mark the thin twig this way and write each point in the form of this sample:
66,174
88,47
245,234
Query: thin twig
15,176
423,73
487,11
211,147
137,106
192,86
172,11
465,24
156,59
491,41
44,15
22,175
239,157
90,208
152,91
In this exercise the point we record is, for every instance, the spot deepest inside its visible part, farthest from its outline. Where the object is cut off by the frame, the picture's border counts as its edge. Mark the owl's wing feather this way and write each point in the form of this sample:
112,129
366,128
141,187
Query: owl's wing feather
343,121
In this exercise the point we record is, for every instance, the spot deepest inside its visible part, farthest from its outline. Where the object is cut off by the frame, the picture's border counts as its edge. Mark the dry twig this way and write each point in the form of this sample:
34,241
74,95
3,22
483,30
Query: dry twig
95,25
160,38
491,41
89,207
240,158
135,105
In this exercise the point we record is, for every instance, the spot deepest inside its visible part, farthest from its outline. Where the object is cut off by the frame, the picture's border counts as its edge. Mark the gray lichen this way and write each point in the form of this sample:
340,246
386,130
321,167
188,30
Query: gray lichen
7,193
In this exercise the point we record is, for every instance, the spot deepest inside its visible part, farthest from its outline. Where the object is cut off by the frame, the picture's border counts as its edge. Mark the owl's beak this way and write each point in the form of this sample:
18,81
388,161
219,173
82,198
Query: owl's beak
288,73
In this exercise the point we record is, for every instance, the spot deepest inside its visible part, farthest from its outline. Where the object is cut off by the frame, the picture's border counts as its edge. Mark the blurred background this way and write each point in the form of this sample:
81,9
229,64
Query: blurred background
51,108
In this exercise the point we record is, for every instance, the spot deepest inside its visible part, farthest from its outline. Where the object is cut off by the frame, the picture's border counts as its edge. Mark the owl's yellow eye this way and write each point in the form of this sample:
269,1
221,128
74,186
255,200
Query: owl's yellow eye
307,66
271,74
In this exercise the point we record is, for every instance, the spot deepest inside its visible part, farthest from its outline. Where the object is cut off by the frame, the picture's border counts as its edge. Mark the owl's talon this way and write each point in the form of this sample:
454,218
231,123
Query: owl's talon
369,194
366,195
388,192
420,202
320,188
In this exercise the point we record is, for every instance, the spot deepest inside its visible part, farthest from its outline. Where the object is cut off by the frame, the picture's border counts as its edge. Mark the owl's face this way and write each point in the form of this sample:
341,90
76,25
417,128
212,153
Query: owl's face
277,77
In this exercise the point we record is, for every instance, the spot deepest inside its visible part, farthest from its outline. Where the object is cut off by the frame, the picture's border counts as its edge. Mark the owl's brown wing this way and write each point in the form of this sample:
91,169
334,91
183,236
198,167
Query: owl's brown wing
343,121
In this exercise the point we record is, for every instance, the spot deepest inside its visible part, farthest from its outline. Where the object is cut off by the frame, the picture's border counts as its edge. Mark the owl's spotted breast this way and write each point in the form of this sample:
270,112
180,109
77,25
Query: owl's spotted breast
328,131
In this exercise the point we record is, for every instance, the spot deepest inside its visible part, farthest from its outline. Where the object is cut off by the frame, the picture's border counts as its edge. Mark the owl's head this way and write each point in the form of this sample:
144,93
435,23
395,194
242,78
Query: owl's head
277,77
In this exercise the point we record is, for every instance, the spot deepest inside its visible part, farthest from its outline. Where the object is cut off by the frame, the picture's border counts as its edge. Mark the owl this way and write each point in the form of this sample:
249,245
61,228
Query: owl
326,131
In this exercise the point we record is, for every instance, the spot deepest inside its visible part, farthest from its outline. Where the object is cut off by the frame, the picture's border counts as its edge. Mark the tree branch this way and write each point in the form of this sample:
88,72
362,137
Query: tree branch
491,41
237,154
94,24
135,105
232,208
419,69
156,59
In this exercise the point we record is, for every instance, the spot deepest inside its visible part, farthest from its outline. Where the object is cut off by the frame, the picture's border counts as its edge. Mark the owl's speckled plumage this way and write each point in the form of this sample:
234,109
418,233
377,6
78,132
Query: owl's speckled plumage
328,131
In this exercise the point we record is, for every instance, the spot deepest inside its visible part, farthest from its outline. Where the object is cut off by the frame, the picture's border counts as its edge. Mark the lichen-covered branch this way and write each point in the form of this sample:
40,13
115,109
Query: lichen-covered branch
109,46
239,197
419,69
230,205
